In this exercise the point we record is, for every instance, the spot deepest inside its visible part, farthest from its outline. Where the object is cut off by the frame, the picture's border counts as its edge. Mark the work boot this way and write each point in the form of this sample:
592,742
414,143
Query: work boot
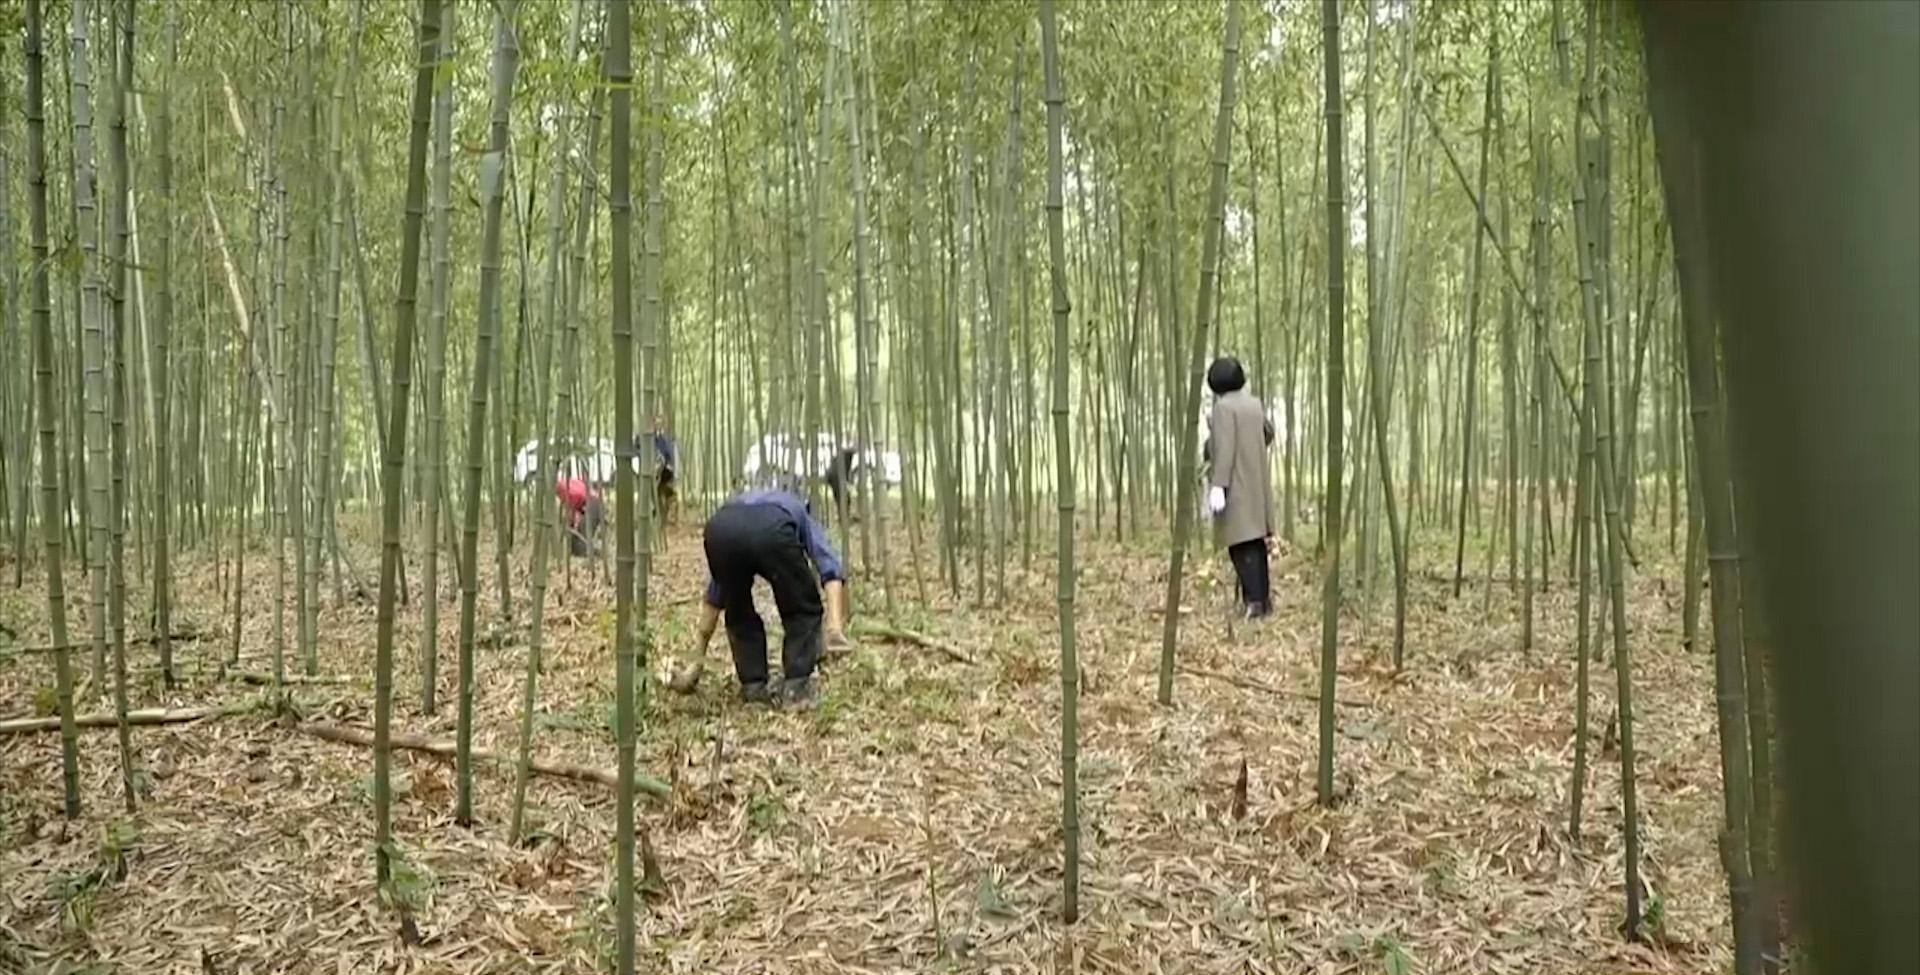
799,694
755,693
1258,610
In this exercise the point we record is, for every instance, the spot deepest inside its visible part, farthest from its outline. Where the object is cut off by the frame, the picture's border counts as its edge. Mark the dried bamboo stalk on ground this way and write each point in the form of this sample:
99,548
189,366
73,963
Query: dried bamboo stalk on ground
144,716
1250,684
444,749
896,634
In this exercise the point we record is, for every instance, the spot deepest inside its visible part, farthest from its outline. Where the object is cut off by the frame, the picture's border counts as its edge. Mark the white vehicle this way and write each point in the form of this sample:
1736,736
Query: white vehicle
592,457
782,453
891,471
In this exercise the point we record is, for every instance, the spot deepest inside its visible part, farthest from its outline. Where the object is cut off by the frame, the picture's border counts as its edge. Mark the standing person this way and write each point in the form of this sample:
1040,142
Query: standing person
840,474
771,533
1237,495
666,492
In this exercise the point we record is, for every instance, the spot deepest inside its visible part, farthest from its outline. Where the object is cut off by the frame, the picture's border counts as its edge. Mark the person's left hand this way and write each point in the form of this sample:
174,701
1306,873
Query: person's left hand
837,641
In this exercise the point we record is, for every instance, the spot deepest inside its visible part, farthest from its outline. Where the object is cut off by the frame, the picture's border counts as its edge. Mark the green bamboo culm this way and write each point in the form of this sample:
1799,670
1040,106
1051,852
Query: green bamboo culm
52,534
393,463
121,61
1586,187
1203,326
1377,366
1808,250
865,332
1468,495
93,335
1063,466
1538,496
644,463
493,178
1336,395
619,79
545,507
325,527
1712,498
162,400
436,350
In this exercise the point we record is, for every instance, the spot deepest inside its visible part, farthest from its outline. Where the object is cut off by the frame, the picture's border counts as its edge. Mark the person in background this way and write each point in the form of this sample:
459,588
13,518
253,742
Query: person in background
666,491
840,473
584,513
770,532
1237,495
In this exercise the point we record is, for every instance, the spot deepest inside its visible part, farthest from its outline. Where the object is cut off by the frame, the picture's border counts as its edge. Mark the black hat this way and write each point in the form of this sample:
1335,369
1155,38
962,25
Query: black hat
1226,375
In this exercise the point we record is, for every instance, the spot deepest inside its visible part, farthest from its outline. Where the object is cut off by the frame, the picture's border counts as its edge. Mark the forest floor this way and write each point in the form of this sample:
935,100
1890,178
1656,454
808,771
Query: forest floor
911,821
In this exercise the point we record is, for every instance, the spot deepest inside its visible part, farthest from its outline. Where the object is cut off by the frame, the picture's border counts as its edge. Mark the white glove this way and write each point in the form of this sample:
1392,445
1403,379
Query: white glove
1216,499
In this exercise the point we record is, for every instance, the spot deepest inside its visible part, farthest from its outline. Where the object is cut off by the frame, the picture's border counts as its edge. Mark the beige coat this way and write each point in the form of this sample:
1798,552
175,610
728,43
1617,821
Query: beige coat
1239,458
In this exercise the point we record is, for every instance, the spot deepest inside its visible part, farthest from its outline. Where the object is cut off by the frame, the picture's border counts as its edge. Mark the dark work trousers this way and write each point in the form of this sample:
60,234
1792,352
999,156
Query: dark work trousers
748,540
665,495
582,541
1250,565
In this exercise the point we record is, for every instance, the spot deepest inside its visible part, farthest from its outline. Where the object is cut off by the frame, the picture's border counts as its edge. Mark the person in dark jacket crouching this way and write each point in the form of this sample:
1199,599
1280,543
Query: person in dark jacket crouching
770,533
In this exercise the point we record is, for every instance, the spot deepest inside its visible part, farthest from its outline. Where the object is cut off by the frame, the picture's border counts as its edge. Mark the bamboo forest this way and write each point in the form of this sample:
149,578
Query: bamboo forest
1002,486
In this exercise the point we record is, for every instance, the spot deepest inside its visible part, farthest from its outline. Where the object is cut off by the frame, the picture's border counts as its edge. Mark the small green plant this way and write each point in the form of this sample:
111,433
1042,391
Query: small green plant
116,841
588,717
864,669
669,631
828,710
1653,919
46,701
1442,876
930,700
400,783
75,889
409,886
990,900
595,936
766,812
13,951
1393,956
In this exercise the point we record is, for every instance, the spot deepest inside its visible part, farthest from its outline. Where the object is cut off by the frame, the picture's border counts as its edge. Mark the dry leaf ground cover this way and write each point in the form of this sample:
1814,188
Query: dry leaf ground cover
910,823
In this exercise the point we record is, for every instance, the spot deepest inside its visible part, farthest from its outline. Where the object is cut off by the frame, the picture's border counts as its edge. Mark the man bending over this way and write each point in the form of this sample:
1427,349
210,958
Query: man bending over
771,533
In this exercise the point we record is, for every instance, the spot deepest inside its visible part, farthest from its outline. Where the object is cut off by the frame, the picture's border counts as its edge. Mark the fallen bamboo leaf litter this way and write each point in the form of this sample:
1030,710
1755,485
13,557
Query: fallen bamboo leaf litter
1439,847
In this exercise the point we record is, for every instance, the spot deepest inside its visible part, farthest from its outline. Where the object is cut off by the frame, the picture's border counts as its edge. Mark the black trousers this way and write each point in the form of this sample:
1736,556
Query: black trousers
1250,565
748,540
665,494
583,540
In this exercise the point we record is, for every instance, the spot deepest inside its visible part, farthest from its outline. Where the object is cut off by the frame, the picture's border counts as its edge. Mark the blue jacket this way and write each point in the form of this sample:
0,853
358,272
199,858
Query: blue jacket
663,451
825,560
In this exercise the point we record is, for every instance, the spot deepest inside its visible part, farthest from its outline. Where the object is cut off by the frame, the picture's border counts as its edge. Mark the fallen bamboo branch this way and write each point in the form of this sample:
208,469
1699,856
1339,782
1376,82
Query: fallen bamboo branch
1248,683
261,677
445,749
898,635
133,640
144,716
